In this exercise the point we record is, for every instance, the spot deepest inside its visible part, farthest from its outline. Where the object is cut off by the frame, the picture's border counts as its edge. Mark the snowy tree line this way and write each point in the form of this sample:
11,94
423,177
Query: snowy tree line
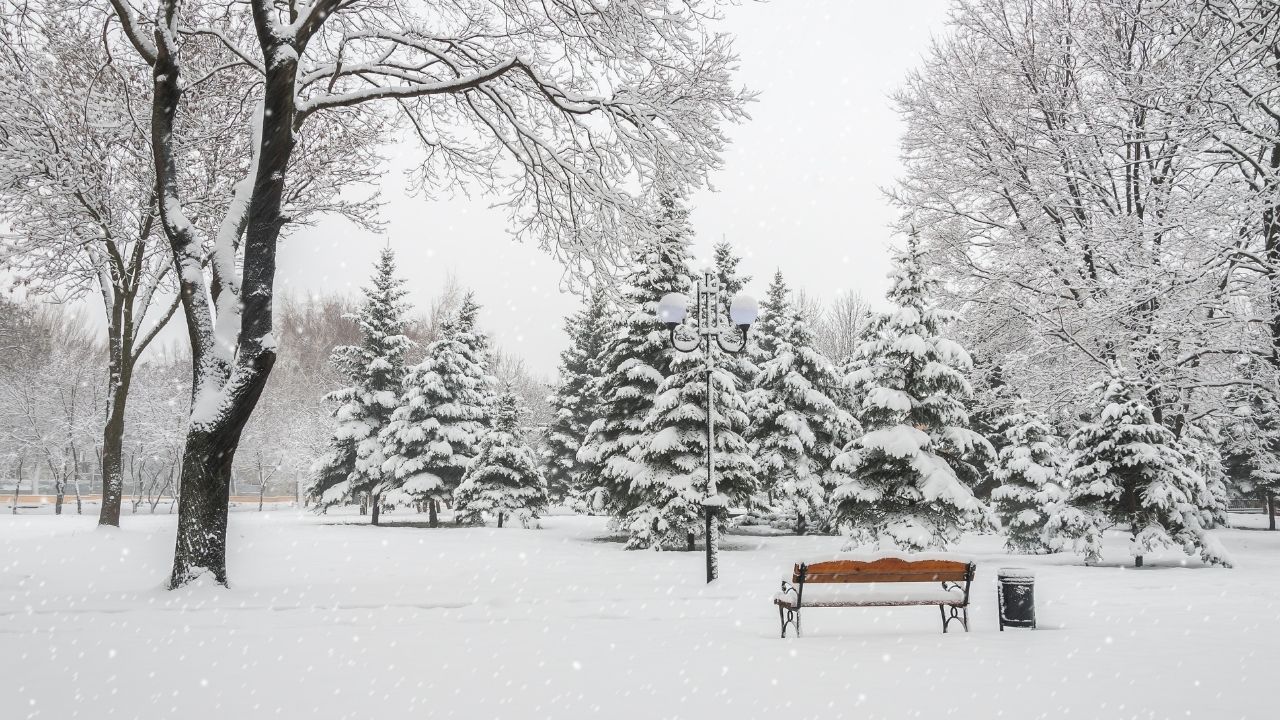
1098,187
440,431
892,445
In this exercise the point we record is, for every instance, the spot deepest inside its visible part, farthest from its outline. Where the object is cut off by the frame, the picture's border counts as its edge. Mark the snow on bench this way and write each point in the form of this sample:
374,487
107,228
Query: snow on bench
878,581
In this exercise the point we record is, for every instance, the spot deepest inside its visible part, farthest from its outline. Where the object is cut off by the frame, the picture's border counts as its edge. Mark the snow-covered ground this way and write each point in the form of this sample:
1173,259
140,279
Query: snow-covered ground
331,619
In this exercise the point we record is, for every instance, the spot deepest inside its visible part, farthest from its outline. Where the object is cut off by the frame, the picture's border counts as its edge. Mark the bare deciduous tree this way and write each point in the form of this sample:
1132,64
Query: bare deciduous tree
553,106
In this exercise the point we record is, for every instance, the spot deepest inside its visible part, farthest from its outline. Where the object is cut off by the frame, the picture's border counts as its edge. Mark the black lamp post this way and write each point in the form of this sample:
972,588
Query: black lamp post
711,332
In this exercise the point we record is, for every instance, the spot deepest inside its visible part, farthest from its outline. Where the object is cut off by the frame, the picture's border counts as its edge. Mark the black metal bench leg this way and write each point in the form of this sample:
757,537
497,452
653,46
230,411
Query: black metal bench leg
789,616
951,612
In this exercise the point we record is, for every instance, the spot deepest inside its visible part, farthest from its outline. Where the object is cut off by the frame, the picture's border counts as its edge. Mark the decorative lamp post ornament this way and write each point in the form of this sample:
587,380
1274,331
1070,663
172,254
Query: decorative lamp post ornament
709,333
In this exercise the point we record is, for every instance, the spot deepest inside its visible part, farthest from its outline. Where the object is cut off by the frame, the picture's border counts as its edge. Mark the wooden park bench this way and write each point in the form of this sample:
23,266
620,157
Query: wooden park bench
884,582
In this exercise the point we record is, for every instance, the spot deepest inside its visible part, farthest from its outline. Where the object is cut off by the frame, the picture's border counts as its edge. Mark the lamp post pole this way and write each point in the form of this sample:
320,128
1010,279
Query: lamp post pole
710,333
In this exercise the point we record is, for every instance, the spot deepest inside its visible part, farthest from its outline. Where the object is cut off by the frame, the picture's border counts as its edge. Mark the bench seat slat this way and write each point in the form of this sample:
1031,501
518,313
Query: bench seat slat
887,603
883,577
872,595
853,571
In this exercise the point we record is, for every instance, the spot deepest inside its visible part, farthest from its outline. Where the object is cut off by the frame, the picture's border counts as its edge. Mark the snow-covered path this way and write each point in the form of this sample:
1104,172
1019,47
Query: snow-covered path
330,620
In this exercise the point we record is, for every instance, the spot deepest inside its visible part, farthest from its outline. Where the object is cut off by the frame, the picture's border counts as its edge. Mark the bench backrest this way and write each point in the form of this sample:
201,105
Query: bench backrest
886,570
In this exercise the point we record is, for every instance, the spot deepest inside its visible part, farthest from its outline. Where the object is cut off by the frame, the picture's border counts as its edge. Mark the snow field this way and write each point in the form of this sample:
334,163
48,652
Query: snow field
331,618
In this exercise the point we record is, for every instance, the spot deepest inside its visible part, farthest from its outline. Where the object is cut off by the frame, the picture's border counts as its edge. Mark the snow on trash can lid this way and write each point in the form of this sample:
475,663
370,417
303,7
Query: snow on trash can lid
1016,573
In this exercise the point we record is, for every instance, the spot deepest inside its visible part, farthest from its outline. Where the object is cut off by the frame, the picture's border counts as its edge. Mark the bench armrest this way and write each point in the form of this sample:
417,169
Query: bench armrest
790,589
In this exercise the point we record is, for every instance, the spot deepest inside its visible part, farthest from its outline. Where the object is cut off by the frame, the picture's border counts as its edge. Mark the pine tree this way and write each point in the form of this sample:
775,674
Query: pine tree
800,422
636,361
503,479
1252,438
856,369
478,349
444,410
575,401
1028,469
668,464
993,400
1202,441
906,481
353,468
774,310
726,263
742,366
1128,470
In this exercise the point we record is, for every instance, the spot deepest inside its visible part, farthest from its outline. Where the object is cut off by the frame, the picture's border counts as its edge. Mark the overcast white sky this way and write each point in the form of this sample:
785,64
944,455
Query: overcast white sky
800,188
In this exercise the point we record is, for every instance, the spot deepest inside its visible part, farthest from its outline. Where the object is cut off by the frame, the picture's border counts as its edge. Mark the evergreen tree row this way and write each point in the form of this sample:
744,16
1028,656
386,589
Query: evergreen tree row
428,434
882,448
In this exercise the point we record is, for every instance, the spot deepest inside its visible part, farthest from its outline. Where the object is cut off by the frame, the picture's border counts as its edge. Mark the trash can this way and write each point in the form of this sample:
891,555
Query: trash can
1015,594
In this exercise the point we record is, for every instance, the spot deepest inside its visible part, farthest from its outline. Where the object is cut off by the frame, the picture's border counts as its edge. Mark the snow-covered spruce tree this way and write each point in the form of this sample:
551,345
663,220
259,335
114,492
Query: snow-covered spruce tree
774,310
1128,470
1028,468
742,365
636,361
478,349
1252,438
1203,441
800,423
575,402
374,369
504,478
993,400
726,262
906,482
667,466
762,346
856,369
444,410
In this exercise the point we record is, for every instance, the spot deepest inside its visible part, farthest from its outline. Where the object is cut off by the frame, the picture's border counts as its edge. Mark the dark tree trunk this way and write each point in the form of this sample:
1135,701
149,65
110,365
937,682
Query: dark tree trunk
689,540
499,519
119,380
75,479
1271,510
802,524
60,493
17,486
202,507
375,507
433,513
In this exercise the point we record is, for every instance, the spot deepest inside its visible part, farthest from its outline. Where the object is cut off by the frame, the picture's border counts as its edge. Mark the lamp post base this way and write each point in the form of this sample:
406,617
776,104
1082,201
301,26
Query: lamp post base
713,569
